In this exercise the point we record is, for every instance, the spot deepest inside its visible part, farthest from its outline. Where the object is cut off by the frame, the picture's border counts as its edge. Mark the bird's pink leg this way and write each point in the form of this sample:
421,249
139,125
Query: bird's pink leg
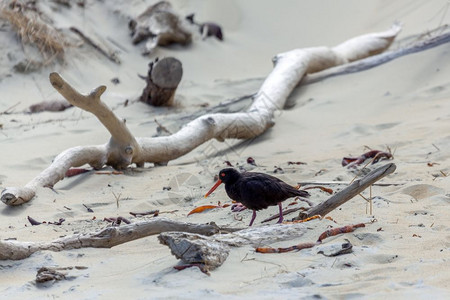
281,213
253,218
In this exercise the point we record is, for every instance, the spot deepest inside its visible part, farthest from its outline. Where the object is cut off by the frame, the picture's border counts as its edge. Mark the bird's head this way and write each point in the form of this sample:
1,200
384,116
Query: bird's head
228,175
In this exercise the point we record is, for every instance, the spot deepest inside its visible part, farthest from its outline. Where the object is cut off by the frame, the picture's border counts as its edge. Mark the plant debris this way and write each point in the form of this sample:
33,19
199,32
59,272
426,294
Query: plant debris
207,29
376,156
206,207
324,235
296,163
116,221
154,212
52,106
251,161
75,171
345,248
31,28
33,222
88,208
327,190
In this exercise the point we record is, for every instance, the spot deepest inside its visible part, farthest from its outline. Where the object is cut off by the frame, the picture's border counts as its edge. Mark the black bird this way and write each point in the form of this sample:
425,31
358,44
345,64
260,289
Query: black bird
256,190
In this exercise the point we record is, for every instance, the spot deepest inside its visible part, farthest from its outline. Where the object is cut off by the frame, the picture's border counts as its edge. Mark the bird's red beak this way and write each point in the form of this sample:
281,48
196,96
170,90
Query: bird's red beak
213,188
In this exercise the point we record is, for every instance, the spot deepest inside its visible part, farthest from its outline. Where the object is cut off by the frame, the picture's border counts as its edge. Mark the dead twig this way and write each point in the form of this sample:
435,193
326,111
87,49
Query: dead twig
376,156
154,212
285,212
324,235
111,56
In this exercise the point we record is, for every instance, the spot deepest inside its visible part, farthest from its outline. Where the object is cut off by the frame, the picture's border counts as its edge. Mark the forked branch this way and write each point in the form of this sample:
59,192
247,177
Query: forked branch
123,149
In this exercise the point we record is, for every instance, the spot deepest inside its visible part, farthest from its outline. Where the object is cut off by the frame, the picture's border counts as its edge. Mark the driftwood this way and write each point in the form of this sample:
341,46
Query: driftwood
194,249
123,149
106,238
56,105
113,236
370,62
159,25
349,192
353,67
162,81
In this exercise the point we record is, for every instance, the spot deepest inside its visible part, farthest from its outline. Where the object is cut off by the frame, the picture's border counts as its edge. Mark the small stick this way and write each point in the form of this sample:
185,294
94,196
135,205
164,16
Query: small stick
324,235
109,172
117,198
305,220
431,144
346,183
6,111
111,56
286,212
154,212
88,208
33,221
163,128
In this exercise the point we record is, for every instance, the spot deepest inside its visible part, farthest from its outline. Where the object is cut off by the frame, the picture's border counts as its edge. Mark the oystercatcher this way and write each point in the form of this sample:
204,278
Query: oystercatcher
256,190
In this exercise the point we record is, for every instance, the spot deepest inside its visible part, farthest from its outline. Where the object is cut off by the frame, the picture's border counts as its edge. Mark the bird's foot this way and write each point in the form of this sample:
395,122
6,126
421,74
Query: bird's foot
238,207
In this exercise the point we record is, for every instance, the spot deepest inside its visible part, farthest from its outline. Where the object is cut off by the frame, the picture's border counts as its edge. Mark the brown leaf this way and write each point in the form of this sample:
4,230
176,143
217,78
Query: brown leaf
202,209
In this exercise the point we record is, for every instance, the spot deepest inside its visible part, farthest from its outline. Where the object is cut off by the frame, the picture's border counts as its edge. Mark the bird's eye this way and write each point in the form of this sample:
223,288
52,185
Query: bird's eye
222,174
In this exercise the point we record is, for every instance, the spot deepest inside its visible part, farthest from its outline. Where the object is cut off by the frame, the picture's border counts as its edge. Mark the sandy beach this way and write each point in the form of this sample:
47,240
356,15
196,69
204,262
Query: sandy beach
402,253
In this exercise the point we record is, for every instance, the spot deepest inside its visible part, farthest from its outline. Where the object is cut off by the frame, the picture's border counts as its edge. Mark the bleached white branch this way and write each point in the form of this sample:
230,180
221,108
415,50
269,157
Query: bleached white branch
123,149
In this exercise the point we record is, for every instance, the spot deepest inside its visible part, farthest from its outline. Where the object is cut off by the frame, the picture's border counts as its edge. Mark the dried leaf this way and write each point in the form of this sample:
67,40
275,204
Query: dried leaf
327,190
75,171
202,209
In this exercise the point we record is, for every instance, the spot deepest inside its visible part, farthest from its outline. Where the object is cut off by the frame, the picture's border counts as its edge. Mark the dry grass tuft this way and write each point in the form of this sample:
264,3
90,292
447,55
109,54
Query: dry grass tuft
31,29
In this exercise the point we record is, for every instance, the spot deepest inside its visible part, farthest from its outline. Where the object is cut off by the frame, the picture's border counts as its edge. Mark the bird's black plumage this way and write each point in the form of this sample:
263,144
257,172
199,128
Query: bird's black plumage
256,190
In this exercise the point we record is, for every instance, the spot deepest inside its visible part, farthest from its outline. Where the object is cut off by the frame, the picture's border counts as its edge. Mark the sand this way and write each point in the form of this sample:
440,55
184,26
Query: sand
403,104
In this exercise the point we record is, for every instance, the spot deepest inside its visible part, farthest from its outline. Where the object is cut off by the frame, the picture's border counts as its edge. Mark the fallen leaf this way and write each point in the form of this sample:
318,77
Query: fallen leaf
202,209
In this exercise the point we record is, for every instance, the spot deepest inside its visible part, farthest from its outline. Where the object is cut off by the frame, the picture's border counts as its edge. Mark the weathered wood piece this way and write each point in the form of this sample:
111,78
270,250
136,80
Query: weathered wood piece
195,249
162,81
159,25
56,105
106,238
349,192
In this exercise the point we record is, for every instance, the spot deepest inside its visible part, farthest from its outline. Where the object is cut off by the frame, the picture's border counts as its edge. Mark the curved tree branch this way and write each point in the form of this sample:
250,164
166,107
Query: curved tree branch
123,149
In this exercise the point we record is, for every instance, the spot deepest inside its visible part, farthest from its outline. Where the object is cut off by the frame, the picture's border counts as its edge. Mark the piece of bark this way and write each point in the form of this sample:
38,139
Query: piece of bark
106,238
195,249
207,29
159,25
54,106
53,274
123,149
349,192
162,81
45,274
